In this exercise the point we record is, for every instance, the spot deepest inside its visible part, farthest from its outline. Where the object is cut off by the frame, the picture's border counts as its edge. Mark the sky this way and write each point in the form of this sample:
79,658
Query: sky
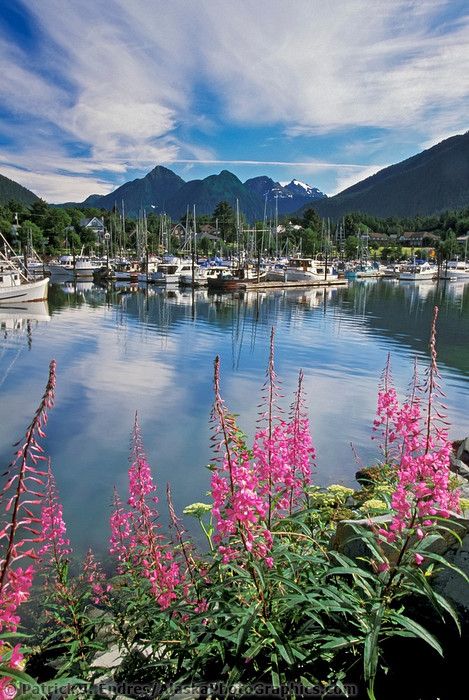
94,93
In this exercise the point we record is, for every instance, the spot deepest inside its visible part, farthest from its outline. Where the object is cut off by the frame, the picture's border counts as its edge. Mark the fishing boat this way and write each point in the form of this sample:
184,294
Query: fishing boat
417,271
236,278
203,274
309,270
16,287
170,270
392,270
455,270
126,270
80,266
15,284
364,270
62,266
86,267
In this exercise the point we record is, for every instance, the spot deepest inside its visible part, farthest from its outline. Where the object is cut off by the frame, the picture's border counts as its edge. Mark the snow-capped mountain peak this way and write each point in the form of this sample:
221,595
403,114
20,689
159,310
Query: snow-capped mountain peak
302,189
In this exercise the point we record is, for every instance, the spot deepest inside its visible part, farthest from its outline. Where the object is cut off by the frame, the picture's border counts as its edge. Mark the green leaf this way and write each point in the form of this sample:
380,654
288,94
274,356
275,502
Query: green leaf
370,653
340,642
447,564
417,630
446,605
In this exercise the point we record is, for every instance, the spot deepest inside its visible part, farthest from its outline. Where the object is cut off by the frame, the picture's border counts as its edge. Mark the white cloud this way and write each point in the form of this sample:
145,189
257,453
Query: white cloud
123,78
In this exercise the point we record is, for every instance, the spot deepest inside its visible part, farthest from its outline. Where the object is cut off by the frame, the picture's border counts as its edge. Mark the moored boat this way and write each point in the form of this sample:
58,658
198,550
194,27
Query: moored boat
309,270
203,274
15,287
15,284
170,270
236,278
455,270
417,271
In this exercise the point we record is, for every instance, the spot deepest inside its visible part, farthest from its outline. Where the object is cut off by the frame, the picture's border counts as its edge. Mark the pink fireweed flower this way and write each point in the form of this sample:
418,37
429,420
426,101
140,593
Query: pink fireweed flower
423,473
95,577
239,512
300,451
12,658
239,506
423,476
134,535
387,409
15,591
53,528
120,523
20,496
284,454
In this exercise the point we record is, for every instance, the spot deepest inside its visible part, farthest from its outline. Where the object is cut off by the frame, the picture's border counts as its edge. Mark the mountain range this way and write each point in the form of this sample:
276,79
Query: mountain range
430,182
163,190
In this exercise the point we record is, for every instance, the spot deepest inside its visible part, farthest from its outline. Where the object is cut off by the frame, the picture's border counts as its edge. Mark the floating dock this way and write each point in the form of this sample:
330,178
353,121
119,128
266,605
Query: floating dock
252,285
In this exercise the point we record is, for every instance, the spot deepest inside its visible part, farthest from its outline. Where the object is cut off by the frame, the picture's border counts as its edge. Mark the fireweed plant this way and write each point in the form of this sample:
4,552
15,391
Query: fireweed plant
274,599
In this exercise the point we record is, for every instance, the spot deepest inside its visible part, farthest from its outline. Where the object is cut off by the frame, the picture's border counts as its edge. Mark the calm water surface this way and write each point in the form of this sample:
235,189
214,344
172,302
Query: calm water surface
121,351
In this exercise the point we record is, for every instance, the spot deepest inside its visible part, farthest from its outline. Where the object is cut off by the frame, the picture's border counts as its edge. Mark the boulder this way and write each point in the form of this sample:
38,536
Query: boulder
459,467
463,451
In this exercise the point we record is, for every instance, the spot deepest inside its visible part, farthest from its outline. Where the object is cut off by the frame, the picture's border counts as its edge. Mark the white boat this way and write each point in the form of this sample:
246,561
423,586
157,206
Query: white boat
148,266
392,271
170,271
80,266
417,271
86,267
363,270
309,270
126,270
203,274
455,270
16,287
62,267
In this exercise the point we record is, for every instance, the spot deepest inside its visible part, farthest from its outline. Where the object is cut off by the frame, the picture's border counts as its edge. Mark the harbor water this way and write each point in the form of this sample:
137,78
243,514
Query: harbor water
124,350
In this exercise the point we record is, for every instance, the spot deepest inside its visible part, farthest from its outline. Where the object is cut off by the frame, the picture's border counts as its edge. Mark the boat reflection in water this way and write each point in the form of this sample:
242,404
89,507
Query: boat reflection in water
17,323
16,316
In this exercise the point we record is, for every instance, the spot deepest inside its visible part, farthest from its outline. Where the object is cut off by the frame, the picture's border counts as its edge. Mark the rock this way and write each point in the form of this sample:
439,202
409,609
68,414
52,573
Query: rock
463,451
345,539
451,584
459,467
112,658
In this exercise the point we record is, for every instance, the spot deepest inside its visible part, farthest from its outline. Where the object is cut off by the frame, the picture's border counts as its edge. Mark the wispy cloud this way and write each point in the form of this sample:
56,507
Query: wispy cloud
313,165
113,86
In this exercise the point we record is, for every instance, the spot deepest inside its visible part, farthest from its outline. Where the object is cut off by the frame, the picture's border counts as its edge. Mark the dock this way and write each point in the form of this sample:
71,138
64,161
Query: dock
252,285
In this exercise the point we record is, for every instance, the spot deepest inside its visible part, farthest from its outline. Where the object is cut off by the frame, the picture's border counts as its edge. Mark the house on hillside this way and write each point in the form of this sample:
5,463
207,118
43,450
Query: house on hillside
418,238
96,225
377,237
179,232
208,231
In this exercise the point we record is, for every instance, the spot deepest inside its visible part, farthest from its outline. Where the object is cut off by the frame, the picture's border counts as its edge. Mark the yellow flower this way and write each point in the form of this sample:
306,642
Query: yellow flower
197,509
373,504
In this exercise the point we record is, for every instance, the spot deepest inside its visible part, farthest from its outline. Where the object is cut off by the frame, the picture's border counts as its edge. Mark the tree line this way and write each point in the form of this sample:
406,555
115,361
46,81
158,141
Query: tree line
51,230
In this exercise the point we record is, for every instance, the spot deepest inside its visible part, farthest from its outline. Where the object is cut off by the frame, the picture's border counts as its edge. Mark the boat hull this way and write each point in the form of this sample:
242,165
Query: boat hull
23,293
305,276
416,276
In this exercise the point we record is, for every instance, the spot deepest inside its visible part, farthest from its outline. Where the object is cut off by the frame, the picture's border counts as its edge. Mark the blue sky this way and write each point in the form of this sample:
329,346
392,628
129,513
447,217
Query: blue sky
96,92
